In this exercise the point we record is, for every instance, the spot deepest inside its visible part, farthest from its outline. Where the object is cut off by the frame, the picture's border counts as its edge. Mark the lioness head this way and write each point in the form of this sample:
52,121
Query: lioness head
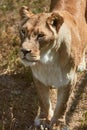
37,32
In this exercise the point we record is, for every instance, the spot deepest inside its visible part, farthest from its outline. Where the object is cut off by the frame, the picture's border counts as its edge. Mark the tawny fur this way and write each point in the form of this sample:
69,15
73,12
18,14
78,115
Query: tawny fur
53,45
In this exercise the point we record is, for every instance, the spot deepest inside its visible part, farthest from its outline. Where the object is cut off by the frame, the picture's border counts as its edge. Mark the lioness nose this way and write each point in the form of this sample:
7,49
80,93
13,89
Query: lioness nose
25,51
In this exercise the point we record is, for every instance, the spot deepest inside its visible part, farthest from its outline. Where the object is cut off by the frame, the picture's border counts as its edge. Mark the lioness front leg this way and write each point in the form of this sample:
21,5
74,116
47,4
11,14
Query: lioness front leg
45,104
62,98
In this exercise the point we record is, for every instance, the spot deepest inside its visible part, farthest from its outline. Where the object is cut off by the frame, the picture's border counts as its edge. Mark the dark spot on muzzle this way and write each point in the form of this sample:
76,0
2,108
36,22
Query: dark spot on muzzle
25,51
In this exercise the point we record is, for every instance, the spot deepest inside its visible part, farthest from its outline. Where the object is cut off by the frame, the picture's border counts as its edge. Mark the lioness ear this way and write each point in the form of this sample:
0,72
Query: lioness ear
25,12
55,20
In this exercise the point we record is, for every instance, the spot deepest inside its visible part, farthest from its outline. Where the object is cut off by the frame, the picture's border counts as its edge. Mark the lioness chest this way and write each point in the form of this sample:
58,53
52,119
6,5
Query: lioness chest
49,72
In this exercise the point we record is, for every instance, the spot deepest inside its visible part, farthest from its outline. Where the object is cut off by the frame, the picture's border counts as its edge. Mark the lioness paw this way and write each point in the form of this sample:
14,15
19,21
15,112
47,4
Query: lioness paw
81,68
82,65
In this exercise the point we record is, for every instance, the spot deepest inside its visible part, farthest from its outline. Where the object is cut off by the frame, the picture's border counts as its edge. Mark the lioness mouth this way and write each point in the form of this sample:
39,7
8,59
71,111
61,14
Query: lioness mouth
24,59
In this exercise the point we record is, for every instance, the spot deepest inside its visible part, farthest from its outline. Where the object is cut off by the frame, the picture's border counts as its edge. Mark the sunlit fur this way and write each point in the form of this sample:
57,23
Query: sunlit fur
53,45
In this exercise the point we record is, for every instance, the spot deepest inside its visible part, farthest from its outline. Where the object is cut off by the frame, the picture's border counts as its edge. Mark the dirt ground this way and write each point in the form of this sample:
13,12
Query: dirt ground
19,103
18,97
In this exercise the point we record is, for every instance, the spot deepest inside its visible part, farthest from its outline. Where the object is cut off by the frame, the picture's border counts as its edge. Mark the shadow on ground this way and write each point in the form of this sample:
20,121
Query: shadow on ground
18,102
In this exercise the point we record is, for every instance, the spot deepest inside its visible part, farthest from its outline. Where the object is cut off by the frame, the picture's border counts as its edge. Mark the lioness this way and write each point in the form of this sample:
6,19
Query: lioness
53,45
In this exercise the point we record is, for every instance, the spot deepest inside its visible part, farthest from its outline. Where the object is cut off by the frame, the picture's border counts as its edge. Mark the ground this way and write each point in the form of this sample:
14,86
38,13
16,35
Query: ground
19,102
18,97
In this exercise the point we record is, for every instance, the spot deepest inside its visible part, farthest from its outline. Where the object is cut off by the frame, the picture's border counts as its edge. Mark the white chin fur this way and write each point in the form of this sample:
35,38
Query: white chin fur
26,63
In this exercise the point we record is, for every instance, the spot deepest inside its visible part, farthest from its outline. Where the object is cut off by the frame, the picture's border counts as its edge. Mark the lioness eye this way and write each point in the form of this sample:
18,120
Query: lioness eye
23,33
40,36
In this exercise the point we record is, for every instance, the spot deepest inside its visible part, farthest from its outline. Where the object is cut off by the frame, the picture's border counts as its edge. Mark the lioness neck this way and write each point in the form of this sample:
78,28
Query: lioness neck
50,70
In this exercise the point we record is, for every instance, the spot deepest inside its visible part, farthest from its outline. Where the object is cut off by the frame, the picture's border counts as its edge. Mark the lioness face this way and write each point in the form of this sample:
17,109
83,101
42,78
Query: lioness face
37,32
